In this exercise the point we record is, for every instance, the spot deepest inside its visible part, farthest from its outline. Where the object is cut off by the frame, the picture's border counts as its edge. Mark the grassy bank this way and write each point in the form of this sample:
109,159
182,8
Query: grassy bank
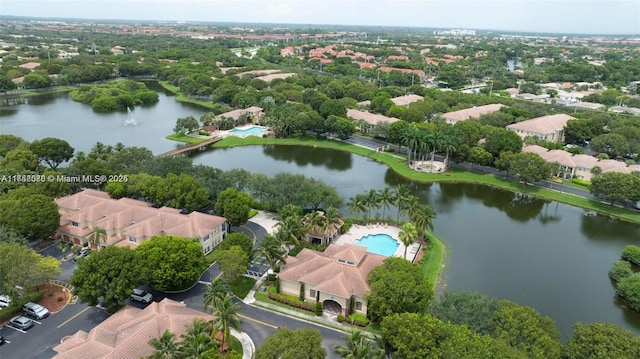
398,164
181,137
186,99
432,259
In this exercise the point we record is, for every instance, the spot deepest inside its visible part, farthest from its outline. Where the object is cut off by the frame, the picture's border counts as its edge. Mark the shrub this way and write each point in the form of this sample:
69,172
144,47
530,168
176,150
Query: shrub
346,226
60,299
302,292
318,308
359,320
620,270
292,302
631,254
271,277
581,182
276,285
340,318
629,289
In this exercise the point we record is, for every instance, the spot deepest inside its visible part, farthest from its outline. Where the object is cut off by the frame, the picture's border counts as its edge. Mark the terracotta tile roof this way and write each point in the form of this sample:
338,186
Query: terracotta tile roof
543,125
406,99
371,118
324,271
585,161
126,333
471,113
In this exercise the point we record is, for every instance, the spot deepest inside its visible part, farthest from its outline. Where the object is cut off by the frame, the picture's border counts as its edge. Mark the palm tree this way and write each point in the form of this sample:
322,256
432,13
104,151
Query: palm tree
450,144
288,211
197,340
332,221
358,347
596,171
408,235
214,292
372,202
399,195
225,317
98,236
290,230
435,140
271,250
386,199
423,219
357,205
410,206
165,346
314,223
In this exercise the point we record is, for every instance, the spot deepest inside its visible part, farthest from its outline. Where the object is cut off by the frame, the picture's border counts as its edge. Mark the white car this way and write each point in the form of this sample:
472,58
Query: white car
141,296
5,301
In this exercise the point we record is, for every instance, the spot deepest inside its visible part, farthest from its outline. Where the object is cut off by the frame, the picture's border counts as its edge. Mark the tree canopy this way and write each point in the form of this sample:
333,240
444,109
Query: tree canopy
53,151
601,341
288,343
21,266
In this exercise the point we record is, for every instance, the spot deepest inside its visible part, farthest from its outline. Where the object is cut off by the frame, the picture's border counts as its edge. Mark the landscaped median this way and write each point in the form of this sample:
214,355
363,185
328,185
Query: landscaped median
398,164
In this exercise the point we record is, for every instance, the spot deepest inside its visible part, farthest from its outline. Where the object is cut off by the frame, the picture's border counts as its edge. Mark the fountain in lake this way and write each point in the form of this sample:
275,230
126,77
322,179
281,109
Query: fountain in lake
129,121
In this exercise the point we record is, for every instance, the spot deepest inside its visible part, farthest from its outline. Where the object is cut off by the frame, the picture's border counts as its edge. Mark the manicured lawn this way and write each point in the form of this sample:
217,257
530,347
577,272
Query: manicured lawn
236,345
431,261
263,297
398,164
181,137
242,288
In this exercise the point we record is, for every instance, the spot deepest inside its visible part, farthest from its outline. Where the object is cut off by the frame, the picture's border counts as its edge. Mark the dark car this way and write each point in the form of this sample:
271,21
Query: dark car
21,322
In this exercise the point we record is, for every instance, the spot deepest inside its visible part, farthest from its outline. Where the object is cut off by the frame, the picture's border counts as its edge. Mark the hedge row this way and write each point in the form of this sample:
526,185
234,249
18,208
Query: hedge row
296,304
16,306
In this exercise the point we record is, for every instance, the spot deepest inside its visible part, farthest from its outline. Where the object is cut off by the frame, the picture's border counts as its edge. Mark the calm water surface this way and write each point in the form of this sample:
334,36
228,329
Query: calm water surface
550,256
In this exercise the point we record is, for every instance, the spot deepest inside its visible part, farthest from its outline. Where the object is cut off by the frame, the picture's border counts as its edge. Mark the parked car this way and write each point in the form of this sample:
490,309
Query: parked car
141,296
83,253
21,322
36,311
5,301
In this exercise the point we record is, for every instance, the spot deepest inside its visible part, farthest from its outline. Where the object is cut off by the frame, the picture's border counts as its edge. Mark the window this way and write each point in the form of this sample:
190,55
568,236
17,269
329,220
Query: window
75,224
206,238
312,293
358,305
133,239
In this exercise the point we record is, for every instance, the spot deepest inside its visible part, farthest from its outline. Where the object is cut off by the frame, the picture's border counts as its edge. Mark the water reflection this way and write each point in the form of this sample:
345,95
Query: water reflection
332,159
596,226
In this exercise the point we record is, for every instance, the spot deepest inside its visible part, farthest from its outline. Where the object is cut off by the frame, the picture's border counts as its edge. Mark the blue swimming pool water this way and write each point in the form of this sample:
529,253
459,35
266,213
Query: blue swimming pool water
381,244
255,130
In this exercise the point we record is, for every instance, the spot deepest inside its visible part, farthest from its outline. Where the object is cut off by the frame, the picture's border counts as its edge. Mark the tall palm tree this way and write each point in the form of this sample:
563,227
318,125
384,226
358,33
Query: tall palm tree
408,235
410,206
288,211
435,140
291,229
386,198
423,219
165,346
357,346
314,223
98,236
214,292
372,202
357,205
225,317
332,221
400,194
450,144
271,250
197,340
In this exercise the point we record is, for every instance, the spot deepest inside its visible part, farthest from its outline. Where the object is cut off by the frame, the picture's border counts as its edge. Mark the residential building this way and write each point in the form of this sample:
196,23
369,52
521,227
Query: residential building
579,166
472,113
332,277
625,109
406,100
549,128
254,113
126,334
371,118
129,222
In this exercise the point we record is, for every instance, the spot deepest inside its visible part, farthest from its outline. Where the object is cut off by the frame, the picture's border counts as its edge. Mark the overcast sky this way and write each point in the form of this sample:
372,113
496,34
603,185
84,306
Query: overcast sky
557,16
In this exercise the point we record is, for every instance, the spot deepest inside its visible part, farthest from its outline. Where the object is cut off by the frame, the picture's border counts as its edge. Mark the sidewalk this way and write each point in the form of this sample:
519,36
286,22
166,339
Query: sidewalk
248,346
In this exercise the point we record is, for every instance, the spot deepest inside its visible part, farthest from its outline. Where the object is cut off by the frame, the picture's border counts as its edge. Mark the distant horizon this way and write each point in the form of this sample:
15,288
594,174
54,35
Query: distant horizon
302,25
562,17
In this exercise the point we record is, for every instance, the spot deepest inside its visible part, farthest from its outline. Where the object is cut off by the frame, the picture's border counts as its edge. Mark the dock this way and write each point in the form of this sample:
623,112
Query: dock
201,146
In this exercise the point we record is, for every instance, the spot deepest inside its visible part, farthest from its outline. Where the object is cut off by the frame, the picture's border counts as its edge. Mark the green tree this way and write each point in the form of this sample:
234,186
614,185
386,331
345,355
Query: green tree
616,187
238,239
215,292
620,270
111,274
173,263
52,151
629,289
601,341
36,81
19,160
233,263
197,342
186,124
8,235
6,84
408,235
613,144
234,205
9,142
475,310
35,216
21,266
631,254
397,286
527,330
479,156
98,236
530,167
272,251
386,198
225,317
332,107
164,347
305,343
501,139
358,346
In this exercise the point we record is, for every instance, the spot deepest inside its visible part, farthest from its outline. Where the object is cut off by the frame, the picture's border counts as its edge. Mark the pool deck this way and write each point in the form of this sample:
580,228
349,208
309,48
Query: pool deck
357,231
226,133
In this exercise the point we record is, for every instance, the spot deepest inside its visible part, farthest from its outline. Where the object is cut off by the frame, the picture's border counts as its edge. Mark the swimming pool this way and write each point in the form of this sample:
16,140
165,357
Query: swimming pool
253,130
382,244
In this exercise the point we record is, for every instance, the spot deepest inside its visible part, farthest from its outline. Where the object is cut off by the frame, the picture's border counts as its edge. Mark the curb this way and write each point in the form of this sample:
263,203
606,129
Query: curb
248,346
